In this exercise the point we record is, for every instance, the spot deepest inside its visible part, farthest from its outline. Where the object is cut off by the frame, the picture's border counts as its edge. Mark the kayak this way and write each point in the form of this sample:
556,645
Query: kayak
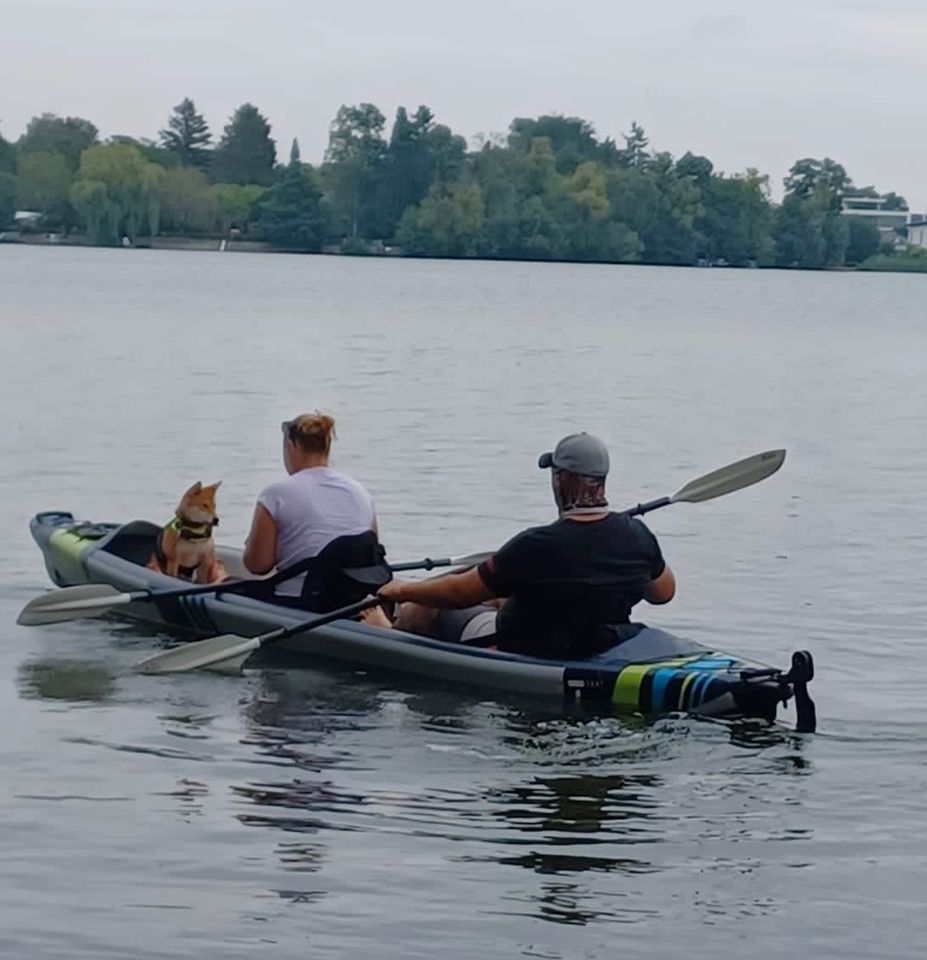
652,672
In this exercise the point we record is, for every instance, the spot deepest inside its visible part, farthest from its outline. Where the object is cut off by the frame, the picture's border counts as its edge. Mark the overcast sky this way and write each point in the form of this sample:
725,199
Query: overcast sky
745,83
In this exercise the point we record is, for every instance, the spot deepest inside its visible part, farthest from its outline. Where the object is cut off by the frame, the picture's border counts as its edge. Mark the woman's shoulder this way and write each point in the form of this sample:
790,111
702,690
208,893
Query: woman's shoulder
329,477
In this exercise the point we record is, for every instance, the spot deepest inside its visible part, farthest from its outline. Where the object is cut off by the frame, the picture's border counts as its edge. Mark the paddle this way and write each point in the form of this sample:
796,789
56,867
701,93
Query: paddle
225,653
735,476
95,599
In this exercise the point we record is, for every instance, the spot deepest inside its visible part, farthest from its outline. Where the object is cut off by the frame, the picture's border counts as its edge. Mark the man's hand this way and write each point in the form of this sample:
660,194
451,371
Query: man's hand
395,590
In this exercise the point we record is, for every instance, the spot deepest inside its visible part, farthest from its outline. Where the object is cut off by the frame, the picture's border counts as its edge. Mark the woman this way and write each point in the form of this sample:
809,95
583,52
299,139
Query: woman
296,518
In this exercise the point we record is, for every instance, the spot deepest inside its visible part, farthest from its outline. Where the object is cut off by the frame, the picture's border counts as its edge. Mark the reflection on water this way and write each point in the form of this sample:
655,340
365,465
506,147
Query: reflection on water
620,820
72,680
191,795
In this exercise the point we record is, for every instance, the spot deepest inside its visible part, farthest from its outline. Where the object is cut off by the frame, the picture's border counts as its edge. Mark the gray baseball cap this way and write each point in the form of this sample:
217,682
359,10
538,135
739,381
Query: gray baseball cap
580,453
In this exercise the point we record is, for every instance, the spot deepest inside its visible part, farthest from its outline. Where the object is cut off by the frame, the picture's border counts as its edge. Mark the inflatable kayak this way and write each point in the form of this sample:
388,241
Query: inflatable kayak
652,672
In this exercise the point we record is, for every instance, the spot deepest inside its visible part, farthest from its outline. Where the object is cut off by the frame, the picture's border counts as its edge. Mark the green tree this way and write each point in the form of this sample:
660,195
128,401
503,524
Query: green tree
586,188
7,156
43,184
353,165
291,213
892,201
810,231
824,178
187,135
66,136
445,224
98,211
660,207
187,201
635,147
246,153
236,204
696,167
571,139
7,199
735,223
151,151
116,191
583,215
420,153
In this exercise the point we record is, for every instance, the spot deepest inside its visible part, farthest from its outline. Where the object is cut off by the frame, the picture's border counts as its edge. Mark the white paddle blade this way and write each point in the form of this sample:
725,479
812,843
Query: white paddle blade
471,560
70,603
215,653
735,476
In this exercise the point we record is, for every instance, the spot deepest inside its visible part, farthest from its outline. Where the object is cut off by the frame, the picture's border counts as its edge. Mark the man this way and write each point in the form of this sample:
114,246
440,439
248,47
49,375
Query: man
568,585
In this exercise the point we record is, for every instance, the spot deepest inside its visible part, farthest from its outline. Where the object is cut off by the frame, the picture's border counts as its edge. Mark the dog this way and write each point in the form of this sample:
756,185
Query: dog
184,547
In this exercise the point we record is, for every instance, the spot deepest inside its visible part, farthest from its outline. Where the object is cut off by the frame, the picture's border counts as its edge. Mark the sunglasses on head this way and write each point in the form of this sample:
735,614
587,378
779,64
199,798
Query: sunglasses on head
286,428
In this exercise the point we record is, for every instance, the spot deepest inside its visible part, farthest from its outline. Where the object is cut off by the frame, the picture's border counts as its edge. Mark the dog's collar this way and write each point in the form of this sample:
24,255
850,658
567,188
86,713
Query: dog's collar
192,531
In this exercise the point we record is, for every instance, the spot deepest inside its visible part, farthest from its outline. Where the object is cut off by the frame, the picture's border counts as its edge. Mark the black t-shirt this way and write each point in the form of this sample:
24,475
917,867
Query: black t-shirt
566,581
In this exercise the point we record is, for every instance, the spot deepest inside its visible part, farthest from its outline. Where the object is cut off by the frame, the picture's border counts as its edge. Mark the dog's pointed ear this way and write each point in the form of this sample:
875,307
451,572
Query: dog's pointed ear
195,489
213,486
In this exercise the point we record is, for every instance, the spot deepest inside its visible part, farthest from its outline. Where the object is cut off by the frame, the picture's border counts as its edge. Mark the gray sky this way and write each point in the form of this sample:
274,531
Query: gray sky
745,83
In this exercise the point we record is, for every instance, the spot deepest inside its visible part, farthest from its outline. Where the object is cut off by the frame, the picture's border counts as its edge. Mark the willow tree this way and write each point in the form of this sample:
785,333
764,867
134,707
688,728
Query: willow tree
114,191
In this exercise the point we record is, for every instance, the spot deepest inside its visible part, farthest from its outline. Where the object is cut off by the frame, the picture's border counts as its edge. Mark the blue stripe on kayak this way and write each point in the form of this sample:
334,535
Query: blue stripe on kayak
698,688
712,663
707,695
658,691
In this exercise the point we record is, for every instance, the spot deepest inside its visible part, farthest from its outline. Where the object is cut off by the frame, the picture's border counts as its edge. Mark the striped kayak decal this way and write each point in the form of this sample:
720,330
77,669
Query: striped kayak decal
681,684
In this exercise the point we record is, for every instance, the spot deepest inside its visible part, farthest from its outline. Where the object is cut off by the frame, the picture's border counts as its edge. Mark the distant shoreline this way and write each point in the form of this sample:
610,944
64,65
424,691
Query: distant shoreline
882,264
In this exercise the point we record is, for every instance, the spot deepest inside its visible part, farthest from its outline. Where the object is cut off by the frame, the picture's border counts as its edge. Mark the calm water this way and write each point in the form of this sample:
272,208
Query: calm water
322,813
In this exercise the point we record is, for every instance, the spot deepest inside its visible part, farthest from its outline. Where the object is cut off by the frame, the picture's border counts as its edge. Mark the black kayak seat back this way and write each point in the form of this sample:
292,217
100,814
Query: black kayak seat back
134,541
346,570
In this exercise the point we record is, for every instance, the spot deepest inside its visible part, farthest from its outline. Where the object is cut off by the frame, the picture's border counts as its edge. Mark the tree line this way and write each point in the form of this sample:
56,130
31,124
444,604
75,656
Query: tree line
551,189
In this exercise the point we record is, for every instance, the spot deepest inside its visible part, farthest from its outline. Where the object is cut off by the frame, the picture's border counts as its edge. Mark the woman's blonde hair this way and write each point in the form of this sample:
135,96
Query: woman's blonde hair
312,432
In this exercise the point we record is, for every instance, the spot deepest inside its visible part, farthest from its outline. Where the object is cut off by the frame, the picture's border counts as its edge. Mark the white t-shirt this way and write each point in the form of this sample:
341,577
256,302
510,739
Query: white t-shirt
311,508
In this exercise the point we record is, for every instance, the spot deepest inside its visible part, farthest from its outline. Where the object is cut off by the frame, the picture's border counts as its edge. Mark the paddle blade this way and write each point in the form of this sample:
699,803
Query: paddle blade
70,603
223,654
471,560
735,476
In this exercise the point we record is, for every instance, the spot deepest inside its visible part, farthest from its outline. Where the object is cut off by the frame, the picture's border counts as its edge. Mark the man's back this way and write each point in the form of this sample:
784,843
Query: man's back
566,581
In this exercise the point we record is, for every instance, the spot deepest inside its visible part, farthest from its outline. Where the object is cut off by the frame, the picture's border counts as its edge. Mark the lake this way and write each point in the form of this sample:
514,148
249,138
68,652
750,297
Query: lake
322,812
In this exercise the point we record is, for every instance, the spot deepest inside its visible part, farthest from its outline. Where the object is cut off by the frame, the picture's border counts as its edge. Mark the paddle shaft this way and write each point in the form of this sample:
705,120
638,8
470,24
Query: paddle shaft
233,586
429,564
643,508
228,652
342,613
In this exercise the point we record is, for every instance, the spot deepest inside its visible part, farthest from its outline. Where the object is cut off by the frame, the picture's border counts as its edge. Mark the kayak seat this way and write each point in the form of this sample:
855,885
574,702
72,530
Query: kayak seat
345,571
134,541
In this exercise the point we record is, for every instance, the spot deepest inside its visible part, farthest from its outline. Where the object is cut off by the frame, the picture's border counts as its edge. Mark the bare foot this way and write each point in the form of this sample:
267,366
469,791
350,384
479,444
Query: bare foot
375,617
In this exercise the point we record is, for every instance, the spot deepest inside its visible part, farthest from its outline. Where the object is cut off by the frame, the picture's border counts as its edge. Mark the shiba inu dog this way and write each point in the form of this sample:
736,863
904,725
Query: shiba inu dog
185,547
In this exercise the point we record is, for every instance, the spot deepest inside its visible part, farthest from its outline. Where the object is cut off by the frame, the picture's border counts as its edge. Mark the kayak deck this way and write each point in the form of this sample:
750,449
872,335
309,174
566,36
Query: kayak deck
653,672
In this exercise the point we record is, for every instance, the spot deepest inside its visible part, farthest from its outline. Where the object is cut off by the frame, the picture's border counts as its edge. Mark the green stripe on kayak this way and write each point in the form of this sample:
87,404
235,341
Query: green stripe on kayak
683,688
68,544
628,685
